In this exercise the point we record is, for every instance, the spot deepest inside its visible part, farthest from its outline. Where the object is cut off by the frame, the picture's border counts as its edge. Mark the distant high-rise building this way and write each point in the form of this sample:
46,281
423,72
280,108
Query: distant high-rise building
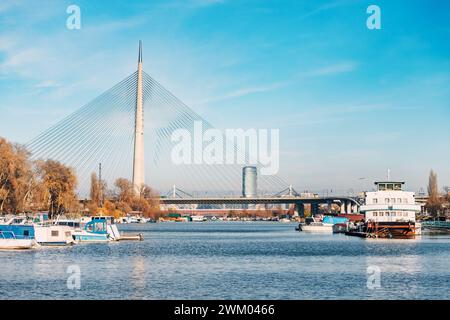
249,184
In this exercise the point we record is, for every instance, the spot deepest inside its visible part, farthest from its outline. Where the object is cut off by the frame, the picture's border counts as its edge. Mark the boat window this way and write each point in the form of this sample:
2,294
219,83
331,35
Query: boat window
405,214
381,214
405,200
375,214
381,186
26,233
390,186
375,200
387,214
386,200
394,214
398,186
399,200
55,233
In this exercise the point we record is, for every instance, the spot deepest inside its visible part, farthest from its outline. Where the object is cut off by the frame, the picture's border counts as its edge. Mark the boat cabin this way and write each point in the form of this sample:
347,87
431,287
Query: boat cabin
390,203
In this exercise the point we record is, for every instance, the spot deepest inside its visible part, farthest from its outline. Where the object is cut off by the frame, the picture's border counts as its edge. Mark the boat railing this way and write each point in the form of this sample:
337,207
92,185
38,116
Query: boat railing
4,235
436,224
7,234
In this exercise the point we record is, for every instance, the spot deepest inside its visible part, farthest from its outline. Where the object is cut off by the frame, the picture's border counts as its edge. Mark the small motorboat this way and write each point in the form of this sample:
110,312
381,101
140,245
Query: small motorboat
8,241
198,218
93,231
99,229
311,225
340,228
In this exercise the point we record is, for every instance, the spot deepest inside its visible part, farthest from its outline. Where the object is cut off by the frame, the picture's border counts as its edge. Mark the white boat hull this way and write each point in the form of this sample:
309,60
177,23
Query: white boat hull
197,218
17,244
84,236
325,228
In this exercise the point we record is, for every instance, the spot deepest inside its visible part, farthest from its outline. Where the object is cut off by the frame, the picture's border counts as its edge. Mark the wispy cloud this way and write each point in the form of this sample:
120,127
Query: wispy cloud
326,7
338,68
48,84
245,91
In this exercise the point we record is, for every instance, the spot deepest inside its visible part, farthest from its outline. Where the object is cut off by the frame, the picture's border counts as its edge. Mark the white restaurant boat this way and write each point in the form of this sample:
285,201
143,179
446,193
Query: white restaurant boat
391,209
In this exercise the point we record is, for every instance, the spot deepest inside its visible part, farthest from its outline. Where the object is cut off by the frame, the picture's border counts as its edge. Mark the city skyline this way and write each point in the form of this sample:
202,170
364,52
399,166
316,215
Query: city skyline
349,102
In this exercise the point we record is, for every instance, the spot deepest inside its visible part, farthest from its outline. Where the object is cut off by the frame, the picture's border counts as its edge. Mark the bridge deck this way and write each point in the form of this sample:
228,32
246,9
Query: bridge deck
259,200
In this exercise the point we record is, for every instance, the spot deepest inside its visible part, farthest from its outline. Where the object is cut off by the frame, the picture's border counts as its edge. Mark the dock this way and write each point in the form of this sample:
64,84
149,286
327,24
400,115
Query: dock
131,237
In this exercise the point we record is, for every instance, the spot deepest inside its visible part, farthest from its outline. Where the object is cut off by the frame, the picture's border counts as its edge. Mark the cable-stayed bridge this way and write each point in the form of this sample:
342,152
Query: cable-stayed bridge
109,131
104,131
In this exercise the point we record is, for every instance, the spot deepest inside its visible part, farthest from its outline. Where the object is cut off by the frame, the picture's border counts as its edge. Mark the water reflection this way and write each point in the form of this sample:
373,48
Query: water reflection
138,277
399,268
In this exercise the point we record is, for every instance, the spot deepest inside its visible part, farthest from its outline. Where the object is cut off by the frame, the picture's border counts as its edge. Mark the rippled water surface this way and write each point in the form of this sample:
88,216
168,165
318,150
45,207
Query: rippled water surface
232,260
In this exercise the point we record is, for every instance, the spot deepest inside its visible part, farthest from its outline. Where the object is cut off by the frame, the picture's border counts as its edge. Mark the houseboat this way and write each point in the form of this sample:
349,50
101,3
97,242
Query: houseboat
17,234
390,212
53,235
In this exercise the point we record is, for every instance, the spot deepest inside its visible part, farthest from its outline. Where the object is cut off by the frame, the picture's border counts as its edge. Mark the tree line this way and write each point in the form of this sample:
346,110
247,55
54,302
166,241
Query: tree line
28,186
122,199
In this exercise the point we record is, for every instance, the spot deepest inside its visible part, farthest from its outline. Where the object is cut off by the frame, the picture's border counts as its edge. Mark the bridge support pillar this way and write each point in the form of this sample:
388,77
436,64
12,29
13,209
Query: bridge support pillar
342,206
349,207
329,207
314,208
300,208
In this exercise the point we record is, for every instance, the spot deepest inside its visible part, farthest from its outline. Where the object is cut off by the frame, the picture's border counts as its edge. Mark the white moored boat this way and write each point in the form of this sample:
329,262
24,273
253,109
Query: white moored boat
311,225
16,244
17,234
54,235
390,211
198,218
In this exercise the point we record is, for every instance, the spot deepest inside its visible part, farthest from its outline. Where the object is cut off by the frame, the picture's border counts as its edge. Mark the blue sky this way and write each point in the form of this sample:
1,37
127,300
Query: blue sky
349,102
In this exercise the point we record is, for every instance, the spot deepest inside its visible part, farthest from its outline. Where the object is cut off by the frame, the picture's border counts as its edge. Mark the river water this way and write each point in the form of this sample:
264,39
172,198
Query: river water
231,260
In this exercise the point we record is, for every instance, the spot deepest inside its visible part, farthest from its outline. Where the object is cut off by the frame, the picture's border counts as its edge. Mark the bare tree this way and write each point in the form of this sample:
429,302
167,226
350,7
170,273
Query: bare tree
434,203
16,177
59,182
